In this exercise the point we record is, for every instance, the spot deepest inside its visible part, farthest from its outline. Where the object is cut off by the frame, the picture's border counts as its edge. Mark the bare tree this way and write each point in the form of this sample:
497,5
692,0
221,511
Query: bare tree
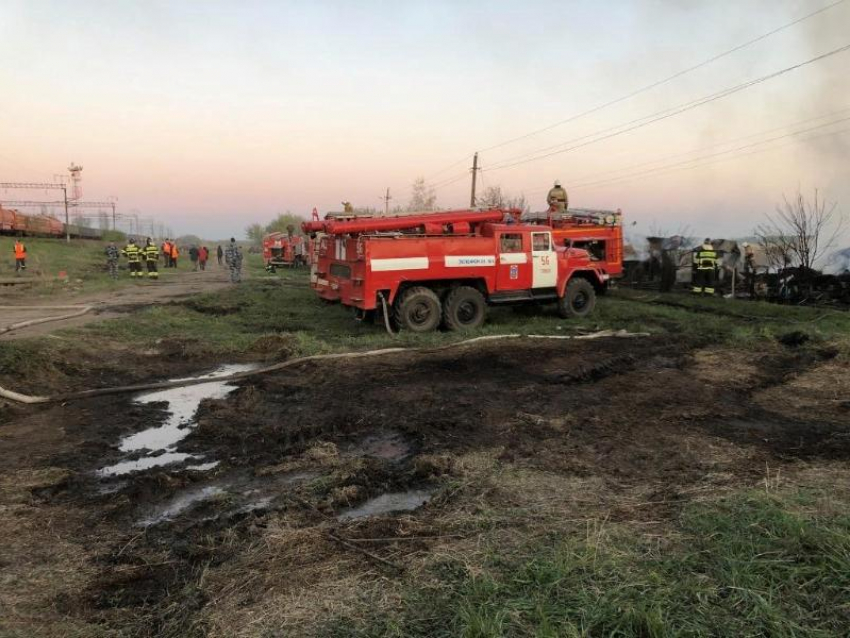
491,197
422,197
801,232
494,197
776,247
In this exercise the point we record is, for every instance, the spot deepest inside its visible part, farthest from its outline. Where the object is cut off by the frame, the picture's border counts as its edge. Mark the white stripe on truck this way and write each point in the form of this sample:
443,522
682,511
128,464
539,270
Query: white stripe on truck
399,263
461,261
513,258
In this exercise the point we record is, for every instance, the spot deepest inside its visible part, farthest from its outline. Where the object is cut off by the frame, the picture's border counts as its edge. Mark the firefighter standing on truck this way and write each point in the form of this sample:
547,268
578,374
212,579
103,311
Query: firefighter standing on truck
151,255
705,264
557,198
134,258
20,256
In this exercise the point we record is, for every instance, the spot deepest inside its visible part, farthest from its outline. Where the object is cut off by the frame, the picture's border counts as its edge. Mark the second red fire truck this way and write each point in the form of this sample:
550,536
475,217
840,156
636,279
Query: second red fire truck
426,270
285,250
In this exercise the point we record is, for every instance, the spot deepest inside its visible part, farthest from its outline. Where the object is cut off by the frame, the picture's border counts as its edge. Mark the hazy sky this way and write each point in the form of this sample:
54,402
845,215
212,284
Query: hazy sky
211,115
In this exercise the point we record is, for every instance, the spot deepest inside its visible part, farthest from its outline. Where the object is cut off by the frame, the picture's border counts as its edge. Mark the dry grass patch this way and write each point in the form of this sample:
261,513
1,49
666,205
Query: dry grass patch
822,392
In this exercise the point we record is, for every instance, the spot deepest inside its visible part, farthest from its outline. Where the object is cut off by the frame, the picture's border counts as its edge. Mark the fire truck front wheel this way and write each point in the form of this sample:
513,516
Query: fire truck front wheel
579,299
418,310
465,309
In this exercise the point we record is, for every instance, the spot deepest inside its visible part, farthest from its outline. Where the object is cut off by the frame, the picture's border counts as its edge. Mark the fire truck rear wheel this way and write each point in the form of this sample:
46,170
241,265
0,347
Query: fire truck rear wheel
465,309
418,310
579,299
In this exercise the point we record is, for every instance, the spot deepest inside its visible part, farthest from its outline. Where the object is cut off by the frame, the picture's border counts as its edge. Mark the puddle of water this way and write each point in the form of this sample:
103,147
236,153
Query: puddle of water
258,504
182,405
203,467
180,504
246,494
144,463
387,503
390,446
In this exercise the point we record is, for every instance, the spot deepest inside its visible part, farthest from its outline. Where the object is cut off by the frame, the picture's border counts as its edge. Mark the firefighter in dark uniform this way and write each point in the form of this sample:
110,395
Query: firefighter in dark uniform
151,255
134,258
557,198
705,265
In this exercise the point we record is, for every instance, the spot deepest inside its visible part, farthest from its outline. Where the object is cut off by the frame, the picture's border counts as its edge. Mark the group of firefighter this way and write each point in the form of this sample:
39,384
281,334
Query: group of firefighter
136,256
146,257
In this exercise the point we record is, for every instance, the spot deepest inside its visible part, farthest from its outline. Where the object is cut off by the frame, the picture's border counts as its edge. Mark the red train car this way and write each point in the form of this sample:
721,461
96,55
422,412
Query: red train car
7,221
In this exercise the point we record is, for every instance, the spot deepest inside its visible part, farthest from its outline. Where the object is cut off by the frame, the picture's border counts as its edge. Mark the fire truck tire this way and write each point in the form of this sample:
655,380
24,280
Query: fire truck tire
418,310
579,299
465,309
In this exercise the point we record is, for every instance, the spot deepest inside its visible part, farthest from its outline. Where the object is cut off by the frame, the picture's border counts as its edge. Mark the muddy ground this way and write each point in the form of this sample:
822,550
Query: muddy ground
301,495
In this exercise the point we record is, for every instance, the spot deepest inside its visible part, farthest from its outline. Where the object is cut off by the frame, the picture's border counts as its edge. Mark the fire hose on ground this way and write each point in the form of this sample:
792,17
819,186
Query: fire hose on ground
162,385
80,311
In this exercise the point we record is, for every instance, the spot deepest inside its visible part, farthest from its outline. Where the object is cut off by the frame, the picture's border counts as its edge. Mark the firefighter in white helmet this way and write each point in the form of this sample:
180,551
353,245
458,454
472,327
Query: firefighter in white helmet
557,198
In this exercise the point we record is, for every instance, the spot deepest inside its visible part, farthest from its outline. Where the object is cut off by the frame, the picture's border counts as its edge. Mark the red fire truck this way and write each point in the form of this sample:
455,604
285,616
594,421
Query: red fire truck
446,268
599,232
284,249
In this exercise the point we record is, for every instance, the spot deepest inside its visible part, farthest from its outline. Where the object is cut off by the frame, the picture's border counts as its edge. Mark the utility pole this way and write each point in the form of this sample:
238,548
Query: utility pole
387,199
474,176
113,201
67,227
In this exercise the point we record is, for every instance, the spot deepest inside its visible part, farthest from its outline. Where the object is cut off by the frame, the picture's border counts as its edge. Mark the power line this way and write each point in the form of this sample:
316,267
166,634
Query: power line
671,112
451,180
704,148
665,80
682,166
463,160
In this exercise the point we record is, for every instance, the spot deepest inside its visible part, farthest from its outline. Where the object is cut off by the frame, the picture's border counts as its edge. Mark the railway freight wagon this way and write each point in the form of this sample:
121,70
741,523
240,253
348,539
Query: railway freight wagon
7,221
14,222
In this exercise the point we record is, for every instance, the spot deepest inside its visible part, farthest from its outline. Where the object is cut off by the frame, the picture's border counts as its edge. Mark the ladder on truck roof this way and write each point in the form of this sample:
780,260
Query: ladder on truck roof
577,216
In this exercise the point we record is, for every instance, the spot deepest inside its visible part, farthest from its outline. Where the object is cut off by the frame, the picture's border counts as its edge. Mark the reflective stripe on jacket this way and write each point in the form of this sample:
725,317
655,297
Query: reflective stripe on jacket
151,252
705,258
133,252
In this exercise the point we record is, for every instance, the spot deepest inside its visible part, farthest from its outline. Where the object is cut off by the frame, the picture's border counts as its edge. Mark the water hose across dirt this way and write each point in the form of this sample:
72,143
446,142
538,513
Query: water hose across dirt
162,385
33,322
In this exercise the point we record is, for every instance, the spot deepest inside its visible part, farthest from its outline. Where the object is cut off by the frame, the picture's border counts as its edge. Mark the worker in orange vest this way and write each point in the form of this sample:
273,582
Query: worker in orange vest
166,253
174,255
20,256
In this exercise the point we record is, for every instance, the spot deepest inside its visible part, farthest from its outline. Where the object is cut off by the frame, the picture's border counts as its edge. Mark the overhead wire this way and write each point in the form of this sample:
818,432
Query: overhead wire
665,80
451,180
702,149
466,158
670,112
714,158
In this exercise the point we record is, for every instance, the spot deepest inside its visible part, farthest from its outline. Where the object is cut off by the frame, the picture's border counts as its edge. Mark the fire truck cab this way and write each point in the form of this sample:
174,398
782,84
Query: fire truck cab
444,269
600,232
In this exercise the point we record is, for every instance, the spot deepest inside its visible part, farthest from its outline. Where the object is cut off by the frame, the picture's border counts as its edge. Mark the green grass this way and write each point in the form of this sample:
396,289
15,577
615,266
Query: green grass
230,321
279,315
750,565
82,260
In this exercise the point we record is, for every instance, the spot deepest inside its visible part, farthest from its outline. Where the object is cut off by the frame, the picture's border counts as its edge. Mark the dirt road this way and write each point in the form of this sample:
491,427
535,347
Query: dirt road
105,304
133,516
